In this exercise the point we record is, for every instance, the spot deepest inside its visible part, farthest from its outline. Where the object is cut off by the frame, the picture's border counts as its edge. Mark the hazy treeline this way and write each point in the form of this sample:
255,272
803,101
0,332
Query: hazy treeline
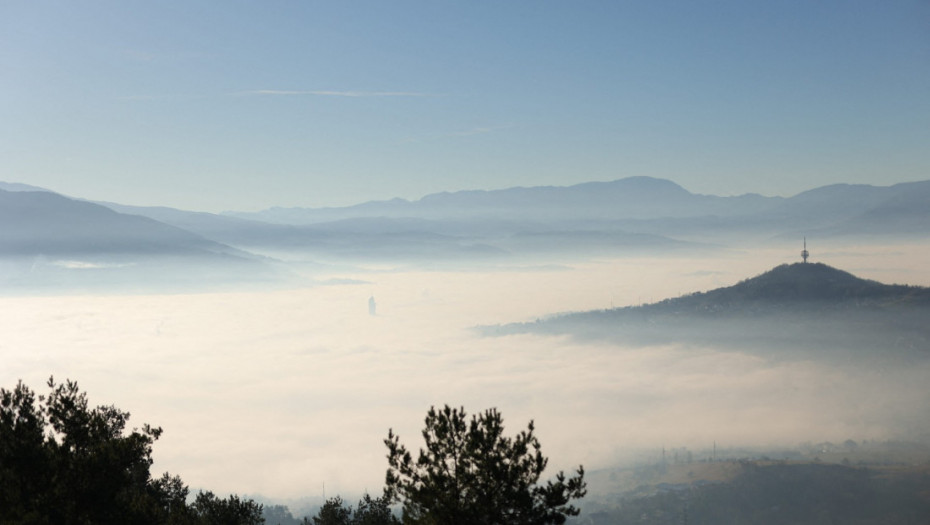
766,493
64,462
336,511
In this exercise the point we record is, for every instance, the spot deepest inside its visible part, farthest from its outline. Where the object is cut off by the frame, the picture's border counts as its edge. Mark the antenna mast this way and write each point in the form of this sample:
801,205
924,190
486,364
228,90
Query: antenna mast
804,253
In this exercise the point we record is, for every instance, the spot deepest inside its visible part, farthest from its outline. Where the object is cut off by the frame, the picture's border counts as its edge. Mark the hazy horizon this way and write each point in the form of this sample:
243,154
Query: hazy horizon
251,343
279,392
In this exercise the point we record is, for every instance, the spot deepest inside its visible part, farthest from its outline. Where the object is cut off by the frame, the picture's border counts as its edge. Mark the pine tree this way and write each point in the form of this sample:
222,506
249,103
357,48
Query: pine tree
470,473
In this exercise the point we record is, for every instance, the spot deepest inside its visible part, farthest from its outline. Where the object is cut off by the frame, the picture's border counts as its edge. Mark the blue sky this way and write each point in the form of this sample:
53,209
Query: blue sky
211,105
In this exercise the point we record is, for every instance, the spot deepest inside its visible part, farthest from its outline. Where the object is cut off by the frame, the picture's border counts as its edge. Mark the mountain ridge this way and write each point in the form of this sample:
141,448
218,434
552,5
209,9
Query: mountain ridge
633,215
50,242
41,222
620,198
658,206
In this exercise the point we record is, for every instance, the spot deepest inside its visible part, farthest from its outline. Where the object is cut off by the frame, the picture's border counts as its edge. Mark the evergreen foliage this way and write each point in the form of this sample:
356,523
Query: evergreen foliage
63,462
370,511
470,473
333,512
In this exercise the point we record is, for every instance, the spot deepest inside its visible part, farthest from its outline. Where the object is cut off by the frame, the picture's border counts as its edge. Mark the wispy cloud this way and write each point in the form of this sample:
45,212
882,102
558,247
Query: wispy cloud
321,93
140,55
295,93
146,97
479,130
136,55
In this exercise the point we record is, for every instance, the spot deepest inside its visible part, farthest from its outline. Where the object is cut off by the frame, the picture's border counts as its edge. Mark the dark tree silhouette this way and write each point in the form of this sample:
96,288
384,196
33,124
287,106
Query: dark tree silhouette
374,511
63,462
370,511
211,510
333,512
470,473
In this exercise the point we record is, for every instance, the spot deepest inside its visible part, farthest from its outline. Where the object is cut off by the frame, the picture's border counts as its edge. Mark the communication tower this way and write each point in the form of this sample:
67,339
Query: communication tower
804,253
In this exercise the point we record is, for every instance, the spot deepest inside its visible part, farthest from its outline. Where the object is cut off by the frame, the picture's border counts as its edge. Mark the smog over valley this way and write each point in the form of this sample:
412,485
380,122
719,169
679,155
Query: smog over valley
687,248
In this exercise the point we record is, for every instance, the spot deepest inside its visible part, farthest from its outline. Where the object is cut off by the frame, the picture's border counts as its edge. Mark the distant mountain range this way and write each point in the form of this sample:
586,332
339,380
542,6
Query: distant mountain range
632,215
48,240
38,222
636,215
629,198
649,205
802,304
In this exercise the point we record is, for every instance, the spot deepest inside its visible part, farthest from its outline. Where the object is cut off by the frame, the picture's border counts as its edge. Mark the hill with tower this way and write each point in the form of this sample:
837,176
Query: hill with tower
800,305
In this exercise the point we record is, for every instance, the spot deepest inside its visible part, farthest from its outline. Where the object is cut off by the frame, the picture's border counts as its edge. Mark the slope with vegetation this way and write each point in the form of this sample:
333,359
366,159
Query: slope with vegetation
765,492
808,304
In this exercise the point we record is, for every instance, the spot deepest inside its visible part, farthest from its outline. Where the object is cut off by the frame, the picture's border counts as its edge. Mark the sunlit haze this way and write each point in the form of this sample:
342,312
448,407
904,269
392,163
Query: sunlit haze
278,229
279,393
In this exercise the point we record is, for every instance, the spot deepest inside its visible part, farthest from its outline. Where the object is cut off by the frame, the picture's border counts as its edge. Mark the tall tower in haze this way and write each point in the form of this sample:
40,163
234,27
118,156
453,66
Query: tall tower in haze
804,253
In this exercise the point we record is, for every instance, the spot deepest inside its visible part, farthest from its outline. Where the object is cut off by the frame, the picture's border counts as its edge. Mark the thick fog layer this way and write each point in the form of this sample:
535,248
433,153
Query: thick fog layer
284,392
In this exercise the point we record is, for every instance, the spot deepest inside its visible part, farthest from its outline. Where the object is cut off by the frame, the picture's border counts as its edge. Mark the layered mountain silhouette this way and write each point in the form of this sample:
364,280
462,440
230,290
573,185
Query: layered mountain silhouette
622,217
797,305
51,241
631,216
44,223
653,206
628,198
